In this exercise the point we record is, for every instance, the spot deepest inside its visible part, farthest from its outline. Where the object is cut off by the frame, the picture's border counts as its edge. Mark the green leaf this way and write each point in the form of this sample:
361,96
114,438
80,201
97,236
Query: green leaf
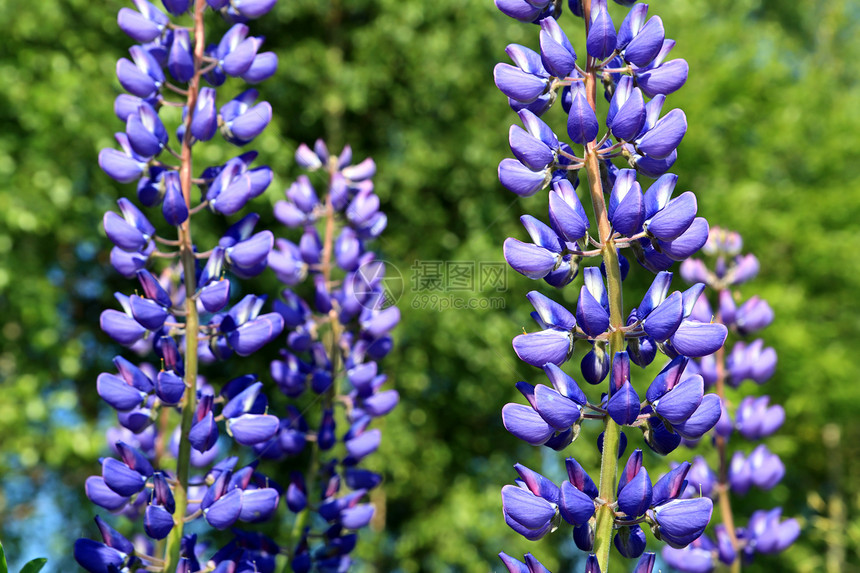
34,566
3,567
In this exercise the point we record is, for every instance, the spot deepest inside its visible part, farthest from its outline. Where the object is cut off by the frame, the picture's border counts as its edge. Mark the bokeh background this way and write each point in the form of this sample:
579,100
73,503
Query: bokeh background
772,151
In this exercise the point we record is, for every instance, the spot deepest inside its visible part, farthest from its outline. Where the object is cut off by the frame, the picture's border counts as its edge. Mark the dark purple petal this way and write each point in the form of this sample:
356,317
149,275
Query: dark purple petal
590,314
663,321
529,150
664,79
630,541
580,478
121,478
601,39
97,557
518,84
567,216
518,9
559,411
635,498
116,392
645,46
169,387
565,385
671,485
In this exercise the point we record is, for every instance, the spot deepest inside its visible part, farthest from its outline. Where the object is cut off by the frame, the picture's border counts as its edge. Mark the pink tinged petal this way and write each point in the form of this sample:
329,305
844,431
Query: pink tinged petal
518,84
537,484
664,79
559,411
121,327
100,494
526,424
590,314
580,478
119,394
582,126
225,511
511,564
253,335
568,219
576,507
382,403
601,39
627,123
120,478
663,321
697,339
679,404
520,179
518,9
665,136
526,508
157,522
683,521
262,68
550,312
702,420
531,151
635,498
645,46
538,348
258,504
671,485
204,434
528,259
251,429
623,405
357,517
134,80
667,379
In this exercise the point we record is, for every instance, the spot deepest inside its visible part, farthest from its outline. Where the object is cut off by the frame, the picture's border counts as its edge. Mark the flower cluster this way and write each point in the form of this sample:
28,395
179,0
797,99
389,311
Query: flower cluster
658,227
330,362
755,418
171,461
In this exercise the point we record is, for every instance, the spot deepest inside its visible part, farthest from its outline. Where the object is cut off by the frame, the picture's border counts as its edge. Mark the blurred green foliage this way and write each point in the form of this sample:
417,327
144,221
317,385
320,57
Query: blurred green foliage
773,104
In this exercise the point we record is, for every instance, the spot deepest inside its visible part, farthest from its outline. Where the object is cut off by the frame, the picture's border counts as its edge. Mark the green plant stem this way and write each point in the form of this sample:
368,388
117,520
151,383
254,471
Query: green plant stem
192,320
612,432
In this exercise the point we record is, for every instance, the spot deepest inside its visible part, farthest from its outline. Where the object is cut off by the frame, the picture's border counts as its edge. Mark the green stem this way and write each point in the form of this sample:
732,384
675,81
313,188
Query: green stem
612,432
192,320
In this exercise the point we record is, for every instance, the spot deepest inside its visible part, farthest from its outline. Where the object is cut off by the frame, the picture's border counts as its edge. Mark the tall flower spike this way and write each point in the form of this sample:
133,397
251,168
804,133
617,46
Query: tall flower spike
631,62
